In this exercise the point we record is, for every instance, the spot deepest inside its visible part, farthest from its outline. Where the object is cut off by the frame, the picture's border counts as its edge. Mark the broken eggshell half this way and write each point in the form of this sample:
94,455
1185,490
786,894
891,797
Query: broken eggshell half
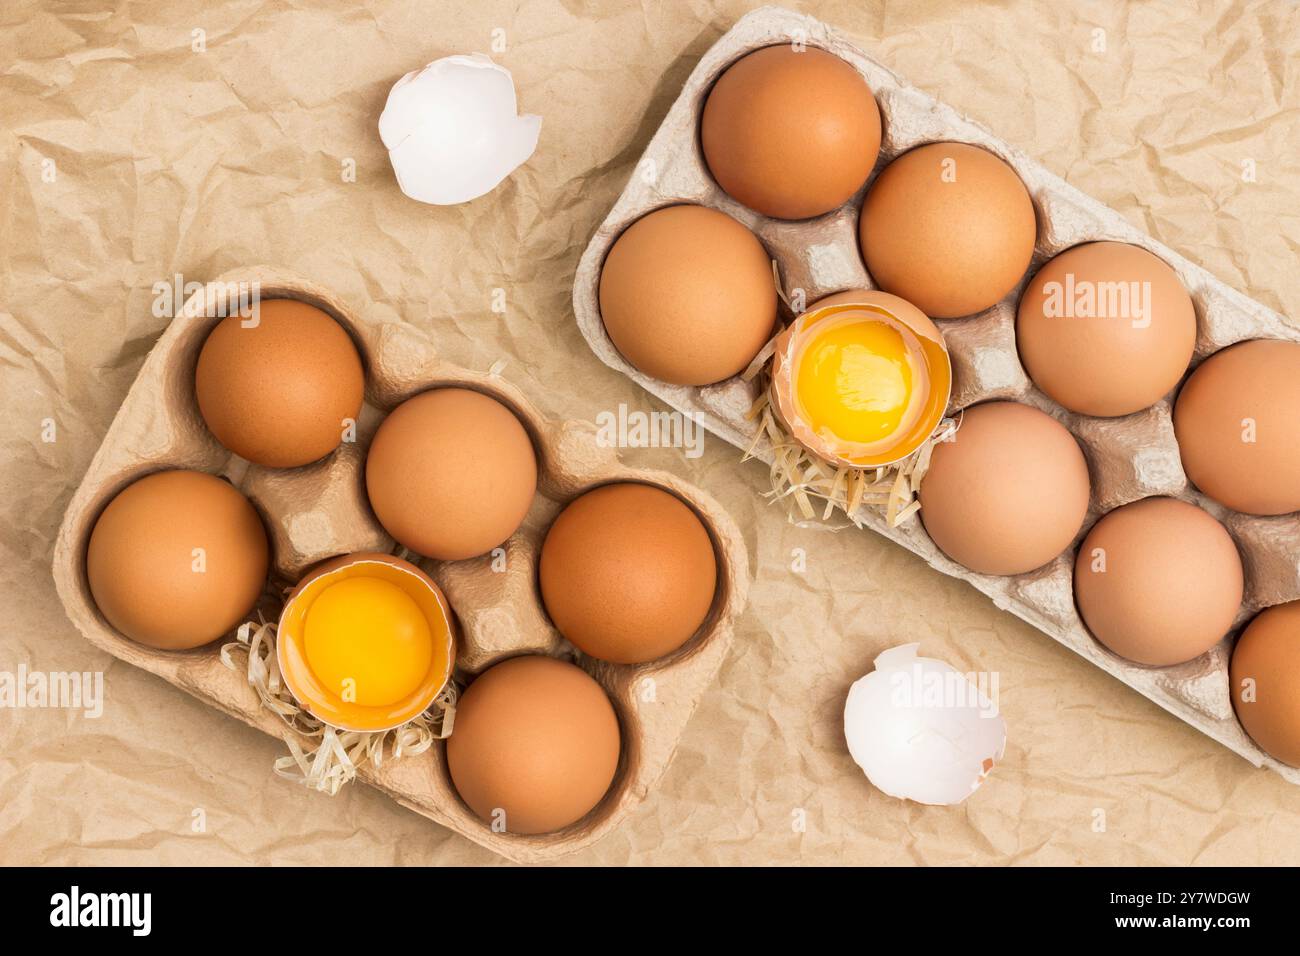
452,129
921,730
333,672
861,379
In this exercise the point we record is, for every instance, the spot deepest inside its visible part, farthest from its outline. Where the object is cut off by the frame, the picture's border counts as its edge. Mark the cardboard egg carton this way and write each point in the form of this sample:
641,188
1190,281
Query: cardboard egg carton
1129,458
321,510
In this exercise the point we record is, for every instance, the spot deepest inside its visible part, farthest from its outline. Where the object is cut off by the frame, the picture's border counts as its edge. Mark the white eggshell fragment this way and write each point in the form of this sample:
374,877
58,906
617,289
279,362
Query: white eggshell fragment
452,130
921,730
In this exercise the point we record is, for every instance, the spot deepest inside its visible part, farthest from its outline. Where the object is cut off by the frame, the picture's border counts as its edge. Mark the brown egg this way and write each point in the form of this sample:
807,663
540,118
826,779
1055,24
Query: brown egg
628,573
177,559
687,295
451,473
790,133
1008,493
1158,581
949,227
1265,675
1237,420
281,392
1106,329
536,745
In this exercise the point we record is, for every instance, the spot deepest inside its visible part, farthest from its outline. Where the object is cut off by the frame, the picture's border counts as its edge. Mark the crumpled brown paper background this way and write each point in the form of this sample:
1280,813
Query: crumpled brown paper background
168,160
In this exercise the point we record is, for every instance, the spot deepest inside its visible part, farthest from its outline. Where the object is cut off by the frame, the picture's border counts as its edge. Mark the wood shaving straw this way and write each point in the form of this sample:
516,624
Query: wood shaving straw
780,288
338,754
798,476
765,353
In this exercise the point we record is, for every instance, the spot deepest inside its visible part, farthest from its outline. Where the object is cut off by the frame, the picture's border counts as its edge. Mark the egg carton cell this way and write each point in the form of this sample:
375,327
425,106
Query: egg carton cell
1129,458
985,366
320,510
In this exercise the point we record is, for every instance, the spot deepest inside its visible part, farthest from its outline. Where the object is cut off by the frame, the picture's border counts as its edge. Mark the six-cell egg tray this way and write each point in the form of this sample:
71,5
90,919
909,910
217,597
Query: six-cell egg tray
1129,458
320,510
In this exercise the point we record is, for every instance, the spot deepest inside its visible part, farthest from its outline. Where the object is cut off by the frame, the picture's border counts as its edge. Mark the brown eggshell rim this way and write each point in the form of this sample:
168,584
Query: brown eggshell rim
790,343
292,659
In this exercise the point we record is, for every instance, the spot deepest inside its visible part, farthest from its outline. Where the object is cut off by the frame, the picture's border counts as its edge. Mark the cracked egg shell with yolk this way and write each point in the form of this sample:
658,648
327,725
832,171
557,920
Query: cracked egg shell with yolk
366,642
862,378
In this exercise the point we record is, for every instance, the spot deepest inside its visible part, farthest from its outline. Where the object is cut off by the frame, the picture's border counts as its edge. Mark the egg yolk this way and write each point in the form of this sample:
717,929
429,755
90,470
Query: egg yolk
855,381
367,641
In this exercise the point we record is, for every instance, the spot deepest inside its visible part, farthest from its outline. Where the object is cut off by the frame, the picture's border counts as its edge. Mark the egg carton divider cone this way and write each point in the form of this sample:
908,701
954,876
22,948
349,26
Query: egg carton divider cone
320,510
1128,458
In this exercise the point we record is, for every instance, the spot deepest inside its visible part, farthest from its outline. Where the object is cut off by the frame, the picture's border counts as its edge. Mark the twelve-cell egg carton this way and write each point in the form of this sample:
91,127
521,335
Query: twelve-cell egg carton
1129,458
321,510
